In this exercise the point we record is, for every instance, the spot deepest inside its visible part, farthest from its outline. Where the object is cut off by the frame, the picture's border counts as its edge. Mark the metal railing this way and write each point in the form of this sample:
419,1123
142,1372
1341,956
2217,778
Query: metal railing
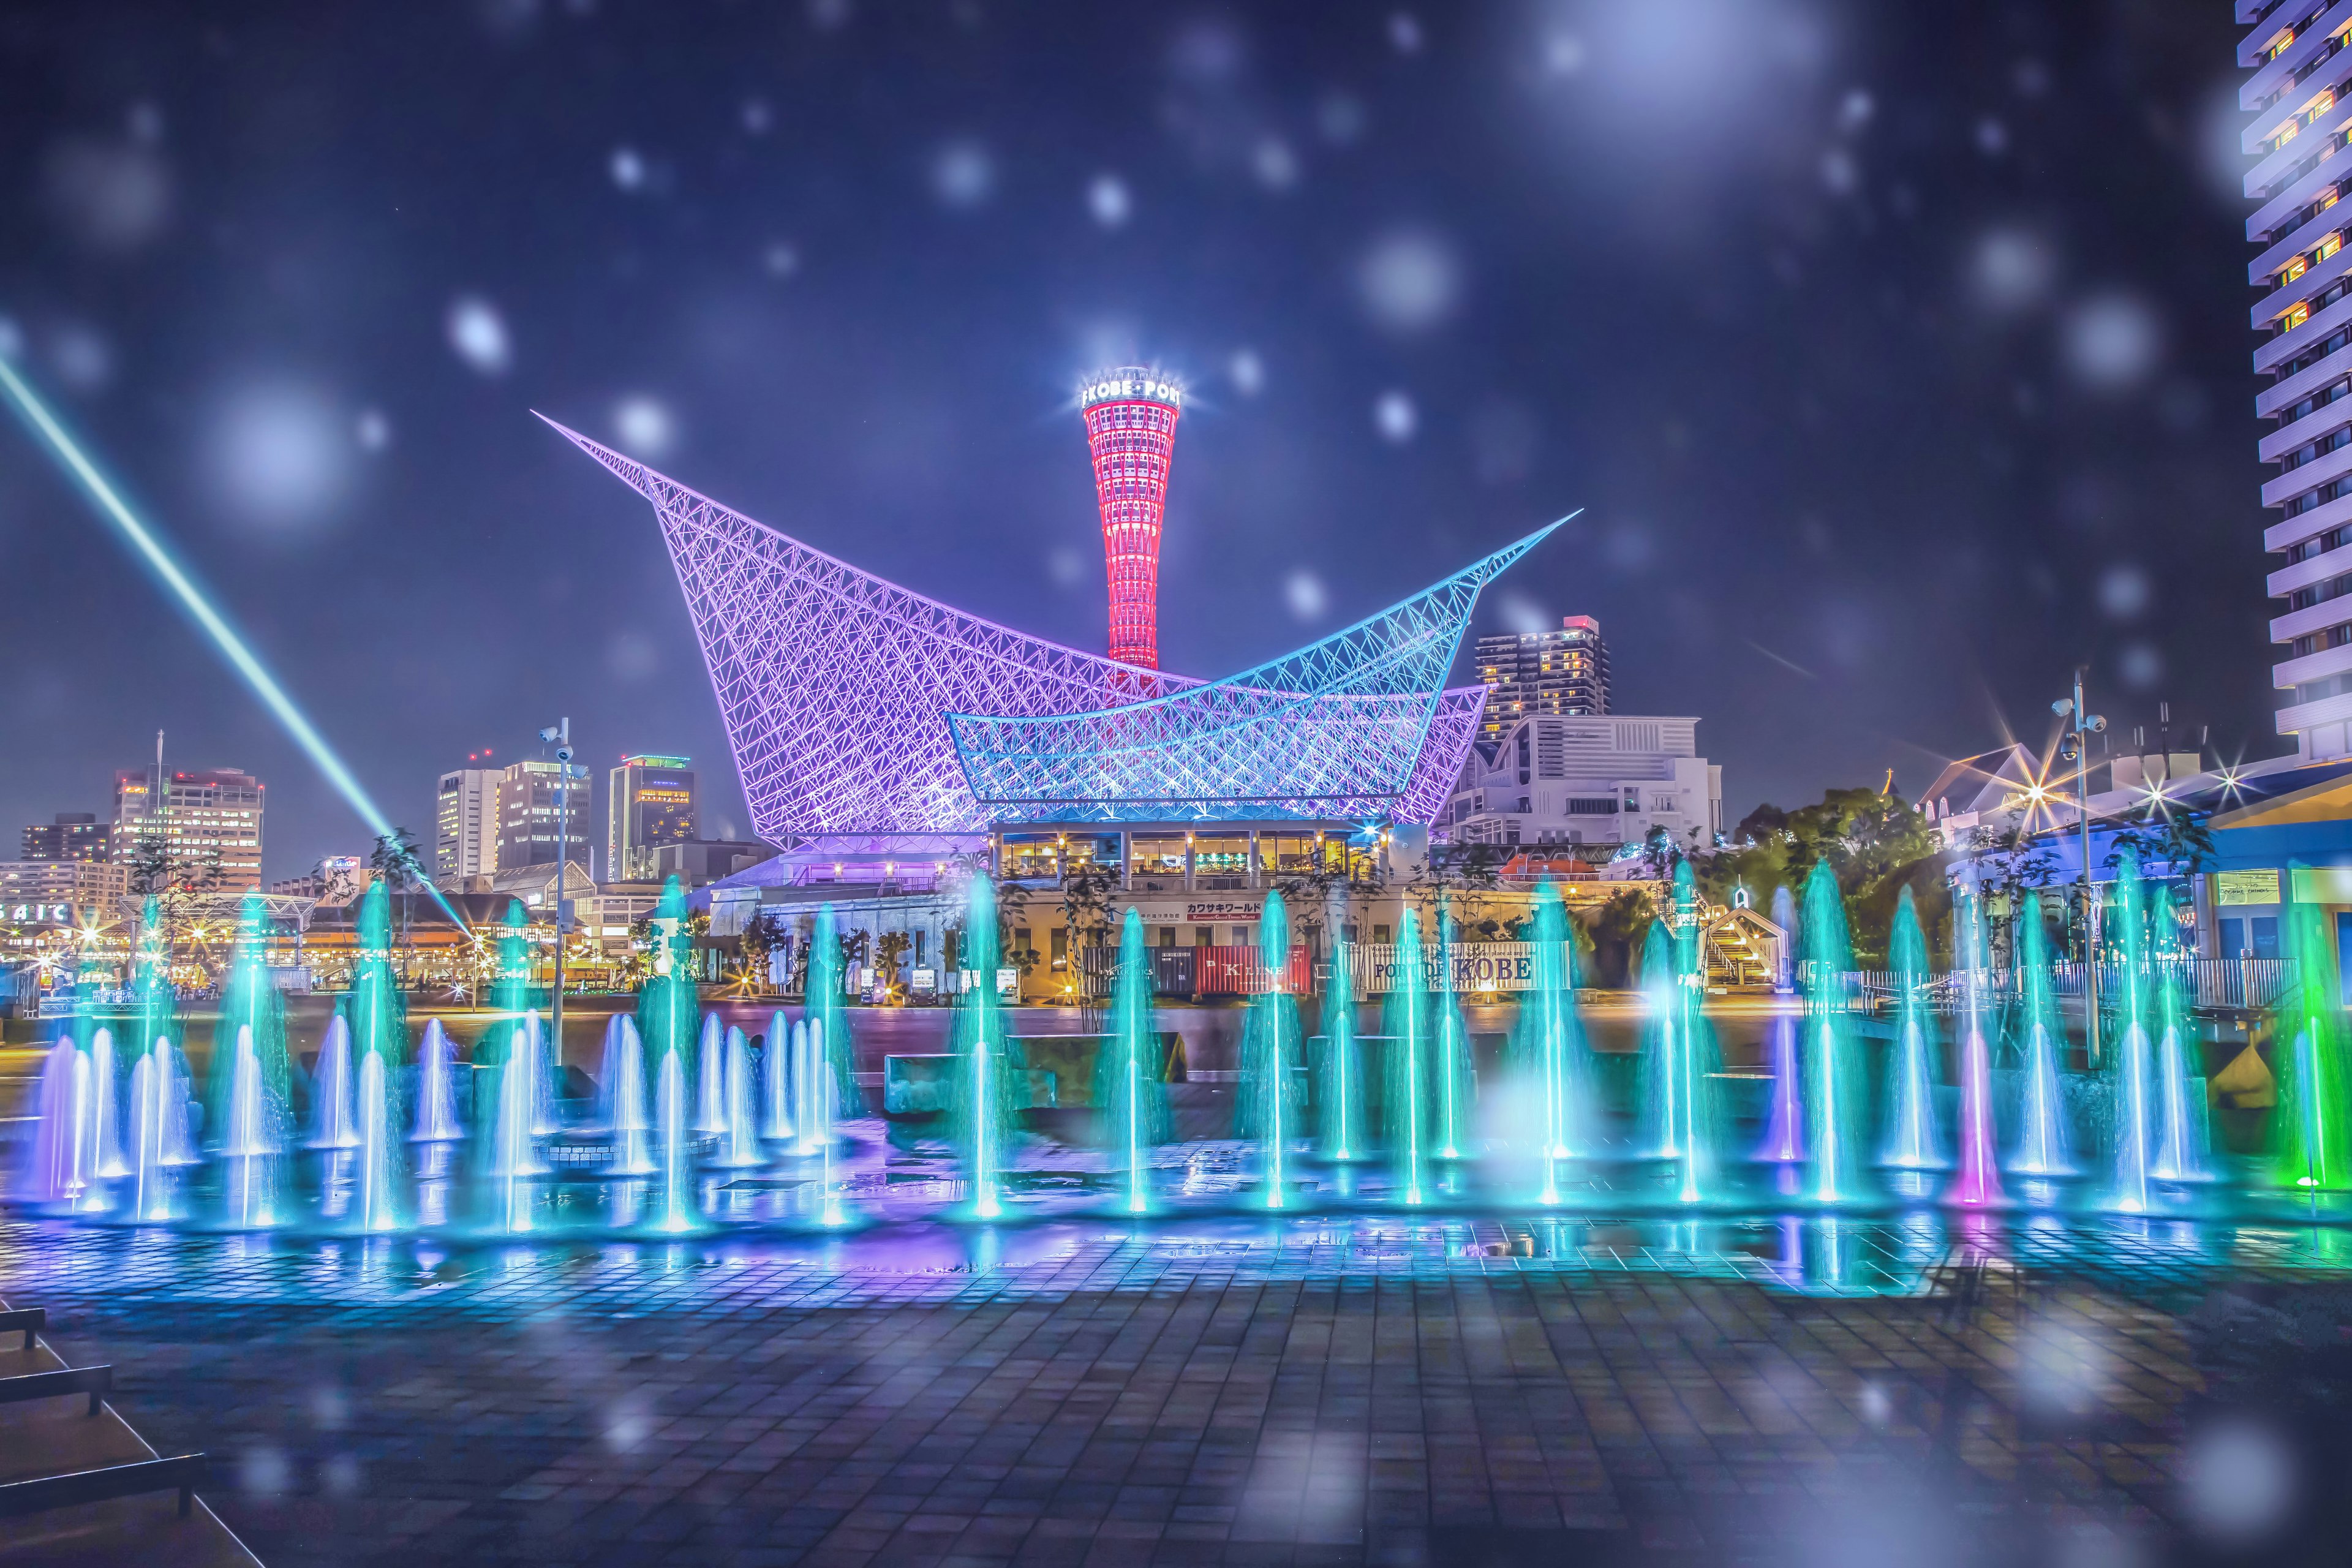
2246,984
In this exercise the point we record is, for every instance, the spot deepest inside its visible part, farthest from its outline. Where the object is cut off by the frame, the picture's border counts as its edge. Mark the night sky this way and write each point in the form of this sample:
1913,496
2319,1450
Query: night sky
1898,354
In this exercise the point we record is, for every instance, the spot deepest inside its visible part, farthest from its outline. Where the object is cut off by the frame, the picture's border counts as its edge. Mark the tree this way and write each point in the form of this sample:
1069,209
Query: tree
1615,929
393,859
176,881
762,936
1872,841
888,949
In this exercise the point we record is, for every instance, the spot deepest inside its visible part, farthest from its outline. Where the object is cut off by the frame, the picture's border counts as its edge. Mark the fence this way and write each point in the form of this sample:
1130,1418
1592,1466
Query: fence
2246,984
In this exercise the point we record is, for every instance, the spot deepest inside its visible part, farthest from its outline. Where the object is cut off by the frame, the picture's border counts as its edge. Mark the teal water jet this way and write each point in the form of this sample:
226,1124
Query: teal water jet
825,1005
739,1146
2131,1079
1455,1091
1976,1184
1547,1045
1404,1099
1913,1142
1128,1093
1269,1109
1697,1060
668,1022
2041,1142
984,1124
1339,1091
2180,1154
378,1034
1835,1089
2312,1150
248,1099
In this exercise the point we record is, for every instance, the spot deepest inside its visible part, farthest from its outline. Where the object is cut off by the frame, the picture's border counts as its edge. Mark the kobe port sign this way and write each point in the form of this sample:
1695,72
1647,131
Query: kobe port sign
1469,965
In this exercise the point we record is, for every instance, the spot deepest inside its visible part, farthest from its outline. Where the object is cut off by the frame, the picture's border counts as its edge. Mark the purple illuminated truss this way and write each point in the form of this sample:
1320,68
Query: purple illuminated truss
836,686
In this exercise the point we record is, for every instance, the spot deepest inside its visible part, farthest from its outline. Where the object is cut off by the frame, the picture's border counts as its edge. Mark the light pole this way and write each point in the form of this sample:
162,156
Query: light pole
560,733
2075,747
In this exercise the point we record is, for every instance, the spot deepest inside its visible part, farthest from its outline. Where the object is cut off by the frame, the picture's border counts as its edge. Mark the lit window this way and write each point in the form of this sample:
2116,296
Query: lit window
2294,269
2327,248
2294,317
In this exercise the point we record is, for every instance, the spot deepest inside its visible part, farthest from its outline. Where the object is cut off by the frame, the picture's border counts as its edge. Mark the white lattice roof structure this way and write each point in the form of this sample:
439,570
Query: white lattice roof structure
837,686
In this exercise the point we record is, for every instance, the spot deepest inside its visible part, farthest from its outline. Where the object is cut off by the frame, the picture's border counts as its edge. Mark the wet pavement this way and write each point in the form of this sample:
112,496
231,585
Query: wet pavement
1230,1387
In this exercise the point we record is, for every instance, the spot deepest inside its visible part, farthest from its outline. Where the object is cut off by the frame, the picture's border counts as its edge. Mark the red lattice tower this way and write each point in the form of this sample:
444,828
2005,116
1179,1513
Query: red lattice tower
1131,426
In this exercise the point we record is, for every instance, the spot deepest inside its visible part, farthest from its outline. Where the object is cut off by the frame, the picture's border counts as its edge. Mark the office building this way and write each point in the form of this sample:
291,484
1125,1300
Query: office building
648,802
62,892
698,861
466,824
1600,782
1563,672
201,819
530,813
74,835
2301,276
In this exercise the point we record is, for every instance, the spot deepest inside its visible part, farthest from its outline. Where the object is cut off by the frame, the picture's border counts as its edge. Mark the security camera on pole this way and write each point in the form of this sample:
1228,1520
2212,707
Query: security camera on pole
2075,747
560,732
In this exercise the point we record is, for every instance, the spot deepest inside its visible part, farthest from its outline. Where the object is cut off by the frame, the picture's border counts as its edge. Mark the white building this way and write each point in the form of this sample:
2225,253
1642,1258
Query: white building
1597,781
2300,95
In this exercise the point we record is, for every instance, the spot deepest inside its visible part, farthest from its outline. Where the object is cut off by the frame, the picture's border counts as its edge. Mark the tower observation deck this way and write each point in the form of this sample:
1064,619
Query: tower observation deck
1130,415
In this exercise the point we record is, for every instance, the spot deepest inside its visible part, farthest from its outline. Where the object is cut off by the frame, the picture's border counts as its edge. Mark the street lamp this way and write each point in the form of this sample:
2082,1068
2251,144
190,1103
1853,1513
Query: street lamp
560,733
2075,747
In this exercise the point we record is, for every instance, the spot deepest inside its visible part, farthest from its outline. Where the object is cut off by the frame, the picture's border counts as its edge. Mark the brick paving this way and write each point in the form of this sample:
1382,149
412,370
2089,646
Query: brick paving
1305,1393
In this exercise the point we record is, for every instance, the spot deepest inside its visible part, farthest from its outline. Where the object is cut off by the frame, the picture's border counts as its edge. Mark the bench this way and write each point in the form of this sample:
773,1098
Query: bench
95,1381
182,1473
32,1319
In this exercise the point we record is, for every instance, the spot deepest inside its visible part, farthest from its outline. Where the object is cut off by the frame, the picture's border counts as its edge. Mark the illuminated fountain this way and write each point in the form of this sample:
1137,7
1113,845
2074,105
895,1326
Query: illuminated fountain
331,1124
984,1106
1452,1095
2180,1130
2308,1128
1977,1182
1128,1094
710,1078
2131,1078
1683,1073
824,1007
247,1103
776,1077
739,1145
620,1093
1548,1046
1911,1141
160,1140
1834,1092
437,1120
378,1038
1339,1094
509,1051
668,1019
1404,1097
2041,1139
1269,1110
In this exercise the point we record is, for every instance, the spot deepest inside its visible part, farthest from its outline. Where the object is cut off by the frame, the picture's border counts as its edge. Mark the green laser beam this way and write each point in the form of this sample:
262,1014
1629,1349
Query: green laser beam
149,547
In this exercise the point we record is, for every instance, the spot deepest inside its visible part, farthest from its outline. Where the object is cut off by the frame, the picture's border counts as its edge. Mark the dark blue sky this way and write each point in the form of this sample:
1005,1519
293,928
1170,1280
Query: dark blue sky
1898,355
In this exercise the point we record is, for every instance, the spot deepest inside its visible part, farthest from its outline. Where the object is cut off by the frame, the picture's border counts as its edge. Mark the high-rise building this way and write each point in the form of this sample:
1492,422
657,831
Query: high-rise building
199,819
74,835
2300,95
530,814
1131,416
1562,672
466,824
648,802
